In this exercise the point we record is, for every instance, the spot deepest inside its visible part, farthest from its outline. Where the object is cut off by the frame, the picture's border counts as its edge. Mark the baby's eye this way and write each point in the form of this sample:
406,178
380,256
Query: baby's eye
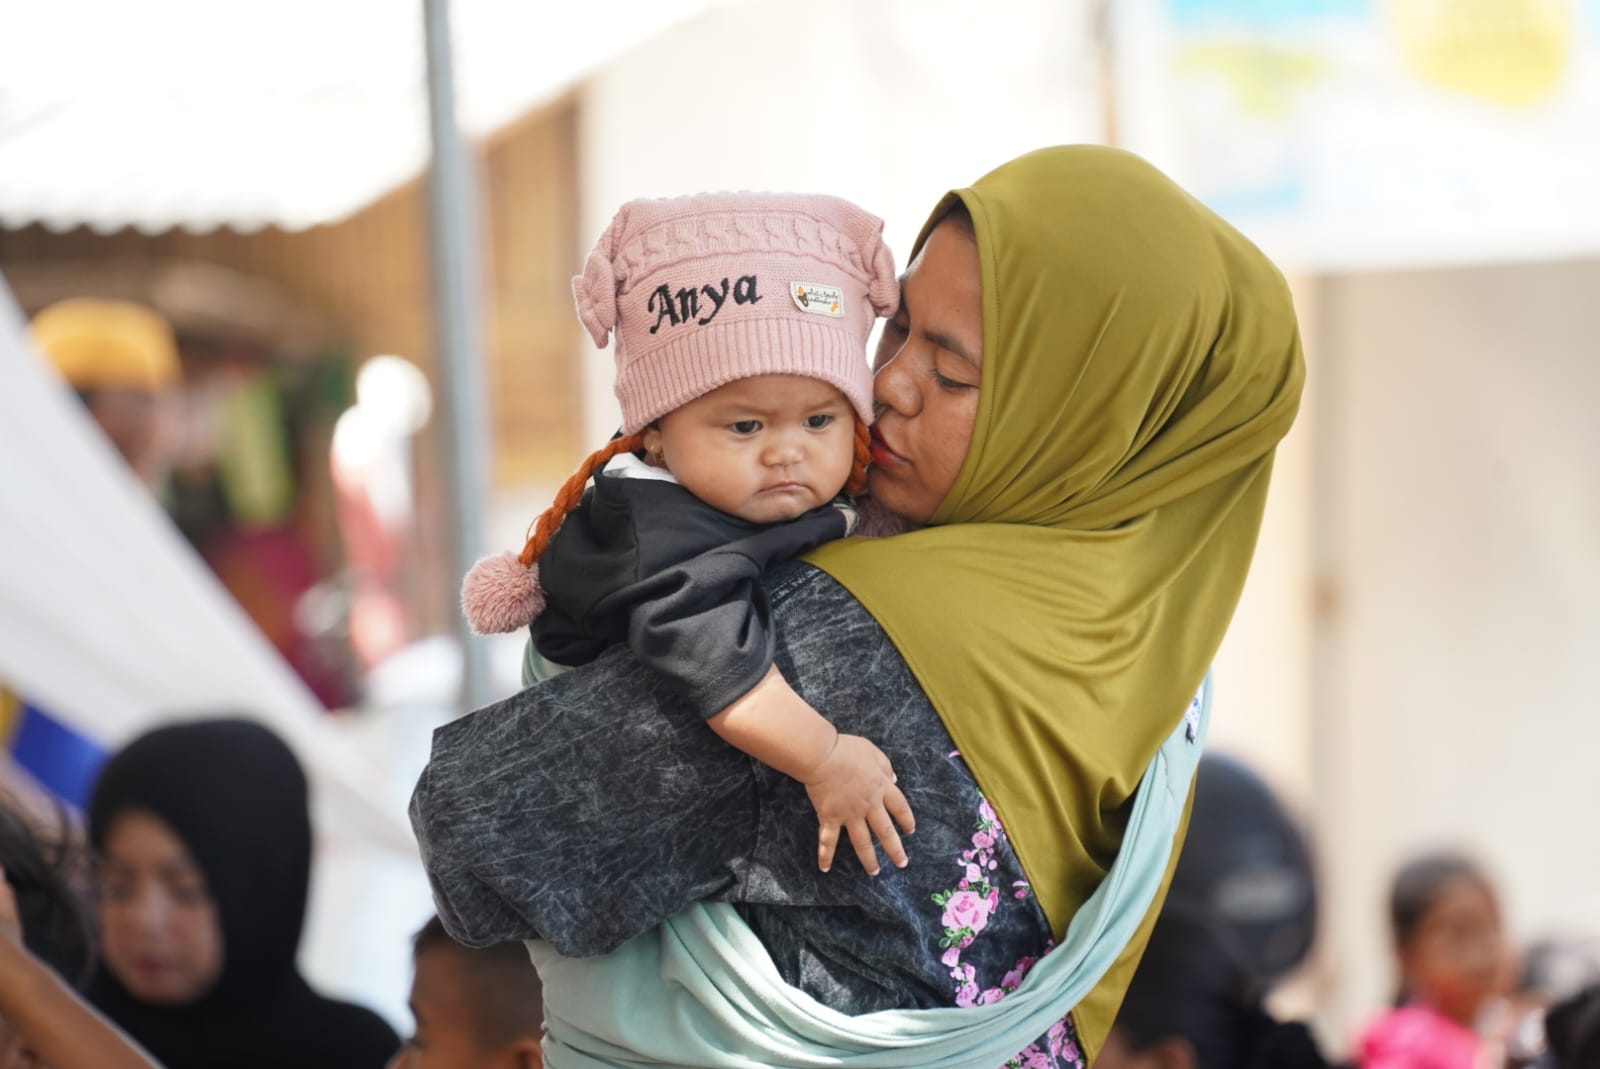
745,426
819,421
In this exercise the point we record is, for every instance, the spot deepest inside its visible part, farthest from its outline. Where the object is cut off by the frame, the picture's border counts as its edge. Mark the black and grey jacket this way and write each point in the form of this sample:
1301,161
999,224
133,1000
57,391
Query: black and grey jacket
643,562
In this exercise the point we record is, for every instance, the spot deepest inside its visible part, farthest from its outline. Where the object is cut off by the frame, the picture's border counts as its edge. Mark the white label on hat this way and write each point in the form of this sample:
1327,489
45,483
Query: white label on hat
818,299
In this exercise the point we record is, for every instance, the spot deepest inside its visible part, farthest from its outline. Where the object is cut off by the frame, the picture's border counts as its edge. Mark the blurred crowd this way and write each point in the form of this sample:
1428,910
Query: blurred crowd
164,931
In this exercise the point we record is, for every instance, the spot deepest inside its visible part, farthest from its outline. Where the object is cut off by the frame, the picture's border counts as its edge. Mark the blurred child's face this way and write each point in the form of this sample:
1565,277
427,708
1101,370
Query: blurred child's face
764,449
1457,958
447,1035
160,929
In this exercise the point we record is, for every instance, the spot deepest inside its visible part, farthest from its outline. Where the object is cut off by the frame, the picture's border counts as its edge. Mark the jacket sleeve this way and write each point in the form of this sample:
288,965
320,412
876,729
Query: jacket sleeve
645,563
704,622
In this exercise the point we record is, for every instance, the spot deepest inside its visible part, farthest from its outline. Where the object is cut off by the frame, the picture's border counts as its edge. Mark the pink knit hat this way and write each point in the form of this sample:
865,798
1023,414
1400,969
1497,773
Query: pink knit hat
704,290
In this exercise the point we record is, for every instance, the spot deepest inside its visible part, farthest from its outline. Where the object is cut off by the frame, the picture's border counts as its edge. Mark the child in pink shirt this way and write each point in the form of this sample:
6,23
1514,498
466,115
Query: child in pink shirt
1453,964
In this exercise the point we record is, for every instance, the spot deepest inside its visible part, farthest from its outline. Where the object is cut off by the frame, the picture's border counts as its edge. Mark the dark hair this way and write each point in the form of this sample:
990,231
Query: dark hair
1572,1030
1192,984
1419,884
959,214
40,870
505,994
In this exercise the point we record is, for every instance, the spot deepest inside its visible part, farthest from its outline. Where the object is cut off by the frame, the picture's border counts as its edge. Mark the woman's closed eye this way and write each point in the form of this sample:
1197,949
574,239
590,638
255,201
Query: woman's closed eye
947,383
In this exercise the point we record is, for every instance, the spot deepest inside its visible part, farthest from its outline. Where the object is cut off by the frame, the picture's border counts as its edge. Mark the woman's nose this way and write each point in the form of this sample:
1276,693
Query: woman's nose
892,387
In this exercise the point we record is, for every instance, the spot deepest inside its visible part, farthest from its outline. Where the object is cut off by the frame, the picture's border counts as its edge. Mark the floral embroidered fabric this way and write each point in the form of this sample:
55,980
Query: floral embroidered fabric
641,810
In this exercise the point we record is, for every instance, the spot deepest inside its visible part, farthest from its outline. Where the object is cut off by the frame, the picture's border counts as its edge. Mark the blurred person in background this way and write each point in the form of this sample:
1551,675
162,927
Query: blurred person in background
1194,1004
122,361
1553,971
1572,1032
1454,964
475,1008
125,363
46,952
1246,863
1240,916
204,841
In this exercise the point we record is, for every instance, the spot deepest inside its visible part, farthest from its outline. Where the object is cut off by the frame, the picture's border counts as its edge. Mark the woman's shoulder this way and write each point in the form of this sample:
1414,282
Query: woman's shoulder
818,618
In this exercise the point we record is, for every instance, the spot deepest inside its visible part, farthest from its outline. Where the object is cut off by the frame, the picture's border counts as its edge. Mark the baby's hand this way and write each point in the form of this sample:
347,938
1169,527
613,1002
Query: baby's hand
854,788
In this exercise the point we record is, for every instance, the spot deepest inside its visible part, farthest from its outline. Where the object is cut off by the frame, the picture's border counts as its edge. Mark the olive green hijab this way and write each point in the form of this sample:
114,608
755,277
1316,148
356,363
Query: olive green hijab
1140,363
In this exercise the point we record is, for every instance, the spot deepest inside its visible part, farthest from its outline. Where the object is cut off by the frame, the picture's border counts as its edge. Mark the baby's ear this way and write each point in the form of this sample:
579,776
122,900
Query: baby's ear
595,291
652,441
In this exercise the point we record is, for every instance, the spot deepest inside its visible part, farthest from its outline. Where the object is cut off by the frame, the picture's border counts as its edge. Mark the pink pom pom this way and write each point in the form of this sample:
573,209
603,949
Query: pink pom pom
499,595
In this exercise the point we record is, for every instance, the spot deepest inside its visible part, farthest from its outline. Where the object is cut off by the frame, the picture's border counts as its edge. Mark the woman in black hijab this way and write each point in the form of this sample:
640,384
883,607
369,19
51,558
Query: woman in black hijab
204,840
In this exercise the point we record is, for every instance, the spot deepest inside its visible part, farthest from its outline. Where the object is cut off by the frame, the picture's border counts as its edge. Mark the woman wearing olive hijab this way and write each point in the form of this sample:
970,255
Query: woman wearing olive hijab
204,842
1079,403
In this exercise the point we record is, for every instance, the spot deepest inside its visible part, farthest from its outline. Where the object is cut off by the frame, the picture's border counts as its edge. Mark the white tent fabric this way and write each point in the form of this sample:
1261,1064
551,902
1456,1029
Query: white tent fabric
195,114
112,622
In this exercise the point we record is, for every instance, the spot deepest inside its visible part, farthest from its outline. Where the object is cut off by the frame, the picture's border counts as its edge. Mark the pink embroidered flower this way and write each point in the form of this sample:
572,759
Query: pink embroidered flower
1013,979
994,994
1034,1058
974,873
986,813
983,840
967,994
951,957
967,910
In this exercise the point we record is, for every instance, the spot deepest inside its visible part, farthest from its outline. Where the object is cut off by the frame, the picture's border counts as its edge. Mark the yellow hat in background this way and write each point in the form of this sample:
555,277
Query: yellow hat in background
99,344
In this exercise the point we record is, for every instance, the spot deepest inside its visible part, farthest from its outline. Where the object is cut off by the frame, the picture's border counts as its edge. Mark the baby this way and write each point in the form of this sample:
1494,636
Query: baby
741,323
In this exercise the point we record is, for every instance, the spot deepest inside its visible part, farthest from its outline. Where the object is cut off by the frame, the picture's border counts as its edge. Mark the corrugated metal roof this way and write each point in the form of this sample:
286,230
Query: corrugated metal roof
197,114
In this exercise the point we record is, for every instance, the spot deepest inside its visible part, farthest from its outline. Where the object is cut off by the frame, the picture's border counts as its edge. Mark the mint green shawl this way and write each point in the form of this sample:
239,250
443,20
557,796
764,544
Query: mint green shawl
700,990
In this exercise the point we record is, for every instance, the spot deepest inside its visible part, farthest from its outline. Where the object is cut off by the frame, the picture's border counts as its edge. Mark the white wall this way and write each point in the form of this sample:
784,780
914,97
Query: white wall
888,103
1458,543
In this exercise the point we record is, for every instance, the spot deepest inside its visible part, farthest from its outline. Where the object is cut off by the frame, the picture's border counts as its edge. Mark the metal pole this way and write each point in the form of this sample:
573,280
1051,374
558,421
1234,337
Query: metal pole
453,233
1104,34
